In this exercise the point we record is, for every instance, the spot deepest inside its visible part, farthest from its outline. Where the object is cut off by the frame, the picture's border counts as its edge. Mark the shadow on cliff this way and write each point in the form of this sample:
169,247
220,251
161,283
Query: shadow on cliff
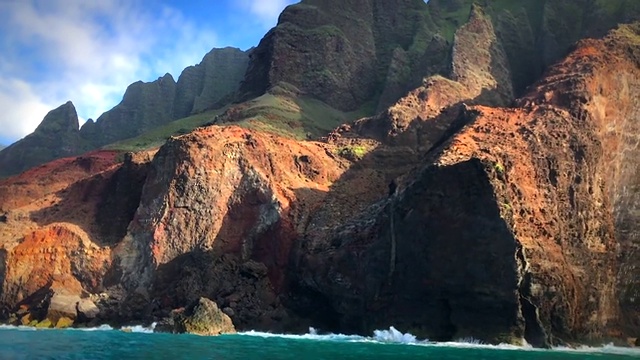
112,197
244,270
435,258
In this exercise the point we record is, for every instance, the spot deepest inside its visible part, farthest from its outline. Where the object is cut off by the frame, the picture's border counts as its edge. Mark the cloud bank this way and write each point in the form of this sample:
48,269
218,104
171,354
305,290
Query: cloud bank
52,51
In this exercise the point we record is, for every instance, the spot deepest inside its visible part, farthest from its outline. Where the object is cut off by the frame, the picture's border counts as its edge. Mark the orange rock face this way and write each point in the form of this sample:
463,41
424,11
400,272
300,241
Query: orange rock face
509,223
51,236
519,225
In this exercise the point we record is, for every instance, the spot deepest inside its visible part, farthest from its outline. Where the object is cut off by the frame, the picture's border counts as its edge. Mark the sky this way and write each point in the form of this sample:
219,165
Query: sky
89,51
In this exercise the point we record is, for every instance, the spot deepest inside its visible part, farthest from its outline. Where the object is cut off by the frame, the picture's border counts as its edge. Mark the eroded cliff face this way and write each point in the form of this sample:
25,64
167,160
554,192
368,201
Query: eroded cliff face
340,51
143,107
210,84
479,74
606,101
218,218
539,187
351,54
509,224
57,224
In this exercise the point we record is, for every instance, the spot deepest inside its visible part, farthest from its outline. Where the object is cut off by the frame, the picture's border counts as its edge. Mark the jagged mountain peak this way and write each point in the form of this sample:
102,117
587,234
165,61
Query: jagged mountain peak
360,231
62,119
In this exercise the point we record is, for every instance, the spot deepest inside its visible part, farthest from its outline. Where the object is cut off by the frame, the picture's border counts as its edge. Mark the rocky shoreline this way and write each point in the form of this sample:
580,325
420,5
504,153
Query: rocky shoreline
510,220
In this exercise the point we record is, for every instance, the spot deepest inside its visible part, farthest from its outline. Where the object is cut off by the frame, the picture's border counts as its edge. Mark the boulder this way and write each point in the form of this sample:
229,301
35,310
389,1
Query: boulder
26,319
203,318
63,323
44,324
87,310
63,306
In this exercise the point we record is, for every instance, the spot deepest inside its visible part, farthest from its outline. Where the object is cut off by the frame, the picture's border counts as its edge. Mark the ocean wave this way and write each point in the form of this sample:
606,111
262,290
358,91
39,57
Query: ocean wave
312,335
389,336
394,336
140,329
608,349
20,328
131,329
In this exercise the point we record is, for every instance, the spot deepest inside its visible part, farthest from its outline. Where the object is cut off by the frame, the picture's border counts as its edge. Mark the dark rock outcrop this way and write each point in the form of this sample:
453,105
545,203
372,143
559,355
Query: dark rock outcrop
57,136
340,51
211,83
539,187
479,74
201,318
143,107
350,53
504,224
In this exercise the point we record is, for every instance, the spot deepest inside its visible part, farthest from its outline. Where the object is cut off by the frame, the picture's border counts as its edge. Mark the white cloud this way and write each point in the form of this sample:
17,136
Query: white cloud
267,11
22,108
95,49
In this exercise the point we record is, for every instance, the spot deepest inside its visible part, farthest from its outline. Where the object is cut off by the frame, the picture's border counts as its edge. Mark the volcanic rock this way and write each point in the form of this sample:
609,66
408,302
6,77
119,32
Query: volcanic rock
86,310
505,224
57,136
339,51
533,185
203,318
144,106
209,84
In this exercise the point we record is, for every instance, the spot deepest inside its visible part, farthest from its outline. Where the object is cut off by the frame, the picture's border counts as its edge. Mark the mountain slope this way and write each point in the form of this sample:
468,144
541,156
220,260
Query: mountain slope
449,214
144,107
57,136
507,229
210,84
512,226
350,53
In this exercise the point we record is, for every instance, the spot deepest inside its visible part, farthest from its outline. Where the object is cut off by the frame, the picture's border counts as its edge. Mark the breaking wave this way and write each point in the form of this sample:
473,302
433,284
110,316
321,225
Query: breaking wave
389,336
131,329
394,336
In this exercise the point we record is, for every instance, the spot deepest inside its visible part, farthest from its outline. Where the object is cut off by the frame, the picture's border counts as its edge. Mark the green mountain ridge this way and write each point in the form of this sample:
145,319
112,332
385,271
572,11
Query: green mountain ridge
476,177
349,58
144,107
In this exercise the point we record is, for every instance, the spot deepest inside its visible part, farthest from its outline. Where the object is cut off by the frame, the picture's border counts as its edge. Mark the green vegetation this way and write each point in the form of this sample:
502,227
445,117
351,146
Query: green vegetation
284,111
159,135
353,152
326,31
630,32
295,117
499,168
449,22
279,112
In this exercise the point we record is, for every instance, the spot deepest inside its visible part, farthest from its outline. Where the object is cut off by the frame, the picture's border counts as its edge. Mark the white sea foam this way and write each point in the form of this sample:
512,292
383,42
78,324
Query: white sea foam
99,328
394,336
132,329
390,336
312,335
140,329
21,328
605,349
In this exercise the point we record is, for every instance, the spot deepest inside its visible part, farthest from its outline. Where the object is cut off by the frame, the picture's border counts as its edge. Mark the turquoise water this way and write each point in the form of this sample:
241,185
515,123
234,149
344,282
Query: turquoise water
105,343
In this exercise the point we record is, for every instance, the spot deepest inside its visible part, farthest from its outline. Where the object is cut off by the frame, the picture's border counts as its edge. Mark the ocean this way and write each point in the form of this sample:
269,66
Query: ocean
141,343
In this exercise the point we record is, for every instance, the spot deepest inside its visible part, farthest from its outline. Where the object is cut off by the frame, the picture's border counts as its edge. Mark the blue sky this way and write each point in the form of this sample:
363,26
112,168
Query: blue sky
88,51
